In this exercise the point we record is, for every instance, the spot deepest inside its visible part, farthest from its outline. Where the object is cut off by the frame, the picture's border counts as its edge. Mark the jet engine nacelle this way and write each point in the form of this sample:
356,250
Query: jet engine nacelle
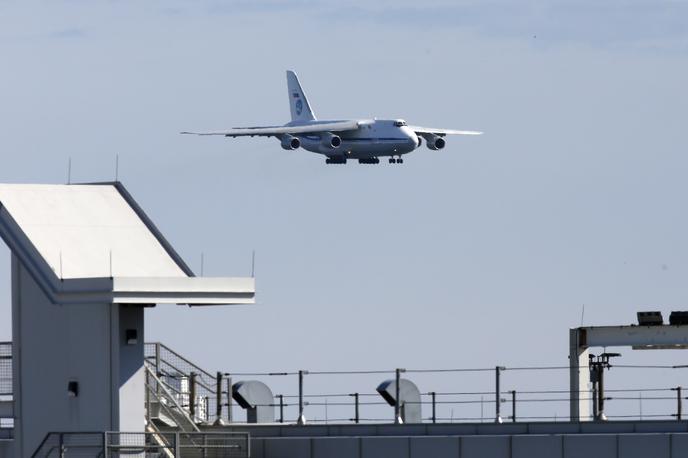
330,141
434,142
289,142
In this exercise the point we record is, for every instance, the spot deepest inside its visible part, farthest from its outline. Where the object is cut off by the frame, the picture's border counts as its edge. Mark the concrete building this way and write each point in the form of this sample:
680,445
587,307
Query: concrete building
86,261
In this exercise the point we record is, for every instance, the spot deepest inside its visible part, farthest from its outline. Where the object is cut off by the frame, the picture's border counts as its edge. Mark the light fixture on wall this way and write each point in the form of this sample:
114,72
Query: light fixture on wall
73,388
131,336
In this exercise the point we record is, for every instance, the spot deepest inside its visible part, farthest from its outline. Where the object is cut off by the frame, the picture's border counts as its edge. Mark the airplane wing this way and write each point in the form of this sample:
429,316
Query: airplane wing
442,132
273,131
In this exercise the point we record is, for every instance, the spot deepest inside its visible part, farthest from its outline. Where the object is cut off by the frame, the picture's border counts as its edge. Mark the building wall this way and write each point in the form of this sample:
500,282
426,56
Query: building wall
132,382
6,448
655,445
56,344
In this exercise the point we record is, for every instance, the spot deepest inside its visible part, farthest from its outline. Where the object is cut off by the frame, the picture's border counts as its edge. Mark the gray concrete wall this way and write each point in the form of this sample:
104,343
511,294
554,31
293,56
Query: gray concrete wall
6,448
56,344
51,346
651,445
132,380
460,429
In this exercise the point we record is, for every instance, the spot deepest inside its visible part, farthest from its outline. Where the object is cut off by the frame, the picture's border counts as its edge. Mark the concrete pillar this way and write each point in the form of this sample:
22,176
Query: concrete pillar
579,376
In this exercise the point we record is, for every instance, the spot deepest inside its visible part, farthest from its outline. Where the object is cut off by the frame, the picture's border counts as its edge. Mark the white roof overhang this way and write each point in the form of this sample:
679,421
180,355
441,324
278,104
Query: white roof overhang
43,223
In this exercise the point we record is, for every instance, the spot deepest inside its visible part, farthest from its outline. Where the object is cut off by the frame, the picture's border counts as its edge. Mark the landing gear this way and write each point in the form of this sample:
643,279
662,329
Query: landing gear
369,160
335,160
396,161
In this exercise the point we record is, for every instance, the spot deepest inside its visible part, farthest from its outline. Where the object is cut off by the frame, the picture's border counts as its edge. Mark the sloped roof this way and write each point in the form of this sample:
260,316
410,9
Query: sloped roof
95,237
87,231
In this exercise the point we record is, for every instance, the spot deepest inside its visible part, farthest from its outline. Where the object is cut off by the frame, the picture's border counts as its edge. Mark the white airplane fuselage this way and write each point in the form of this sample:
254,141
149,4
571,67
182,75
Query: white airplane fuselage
365,140
376,138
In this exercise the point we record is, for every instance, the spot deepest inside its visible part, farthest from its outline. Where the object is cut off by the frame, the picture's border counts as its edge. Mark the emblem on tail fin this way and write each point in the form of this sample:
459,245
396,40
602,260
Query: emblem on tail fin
299,107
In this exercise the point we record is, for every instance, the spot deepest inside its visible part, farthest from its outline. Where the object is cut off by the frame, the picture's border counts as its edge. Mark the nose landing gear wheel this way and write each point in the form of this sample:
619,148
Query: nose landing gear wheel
392,160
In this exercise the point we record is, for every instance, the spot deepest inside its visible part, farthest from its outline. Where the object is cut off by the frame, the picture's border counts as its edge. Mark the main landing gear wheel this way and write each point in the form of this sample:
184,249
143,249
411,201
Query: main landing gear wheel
335,160
369,160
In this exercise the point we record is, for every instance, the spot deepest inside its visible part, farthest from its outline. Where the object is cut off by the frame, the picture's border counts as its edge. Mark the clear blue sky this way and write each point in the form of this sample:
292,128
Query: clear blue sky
481,254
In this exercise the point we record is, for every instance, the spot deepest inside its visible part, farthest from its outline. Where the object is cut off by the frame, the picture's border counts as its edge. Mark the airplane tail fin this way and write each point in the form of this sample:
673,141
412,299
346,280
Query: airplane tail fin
298,103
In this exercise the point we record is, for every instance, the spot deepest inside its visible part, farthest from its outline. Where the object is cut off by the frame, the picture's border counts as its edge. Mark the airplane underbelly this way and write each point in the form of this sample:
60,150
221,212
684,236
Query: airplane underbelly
360,148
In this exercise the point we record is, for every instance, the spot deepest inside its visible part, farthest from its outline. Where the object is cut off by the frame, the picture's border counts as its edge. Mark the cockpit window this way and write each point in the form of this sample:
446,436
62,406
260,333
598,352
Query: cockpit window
400,123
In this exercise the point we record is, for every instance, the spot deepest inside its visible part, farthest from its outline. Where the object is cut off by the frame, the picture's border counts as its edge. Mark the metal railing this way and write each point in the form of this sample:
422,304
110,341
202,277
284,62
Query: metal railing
197,389
5,368
148,444
181,390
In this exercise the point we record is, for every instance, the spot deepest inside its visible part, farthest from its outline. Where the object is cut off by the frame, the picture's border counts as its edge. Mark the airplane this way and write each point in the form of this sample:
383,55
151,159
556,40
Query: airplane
365,140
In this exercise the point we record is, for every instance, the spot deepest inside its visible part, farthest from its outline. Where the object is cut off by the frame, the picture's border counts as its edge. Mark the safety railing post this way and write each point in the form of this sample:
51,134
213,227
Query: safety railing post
177,451
397,402
230,397
498,395
356,407
157,359
302,419
281,407
434,405
679,403
192,395
218,395
513,406
61,445
106,449
148,401
157,369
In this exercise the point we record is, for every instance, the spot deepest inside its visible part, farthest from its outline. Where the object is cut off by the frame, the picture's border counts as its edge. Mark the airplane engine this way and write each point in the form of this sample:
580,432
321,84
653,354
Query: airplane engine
330,141
434,142
289,142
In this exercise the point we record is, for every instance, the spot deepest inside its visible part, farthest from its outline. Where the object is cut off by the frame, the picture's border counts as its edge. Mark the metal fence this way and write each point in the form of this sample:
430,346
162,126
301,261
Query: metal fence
502,394
144,445
196,389
5,368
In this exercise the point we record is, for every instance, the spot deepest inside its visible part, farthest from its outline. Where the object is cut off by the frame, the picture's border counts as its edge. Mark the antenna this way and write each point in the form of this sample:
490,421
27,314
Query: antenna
582,315
253,264
116,167
202,262
69,171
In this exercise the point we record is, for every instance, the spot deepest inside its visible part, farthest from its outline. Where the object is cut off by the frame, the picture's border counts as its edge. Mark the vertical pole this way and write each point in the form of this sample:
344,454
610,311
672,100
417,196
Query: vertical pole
397,402
679,404
513,406
148,401
600,393
192,395
498,397
302,419
579,375
157,370
356,412
157,359
218,396
106,451
61,445
281,405
595,403
177,451
230,398
434,416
